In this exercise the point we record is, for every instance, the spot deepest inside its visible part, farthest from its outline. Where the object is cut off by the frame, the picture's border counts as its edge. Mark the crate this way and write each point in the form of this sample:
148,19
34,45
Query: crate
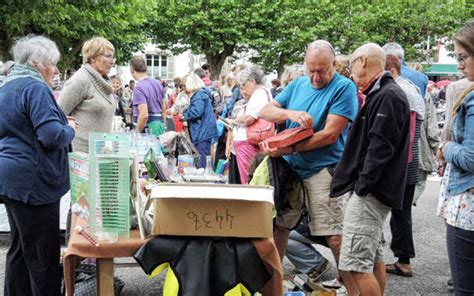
109,170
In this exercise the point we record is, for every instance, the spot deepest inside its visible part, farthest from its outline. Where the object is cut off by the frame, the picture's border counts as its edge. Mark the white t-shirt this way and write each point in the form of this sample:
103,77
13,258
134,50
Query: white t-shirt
260,97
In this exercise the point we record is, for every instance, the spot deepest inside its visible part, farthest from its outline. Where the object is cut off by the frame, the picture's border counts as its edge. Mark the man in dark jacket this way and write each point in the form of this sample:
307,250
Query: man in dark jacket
373,168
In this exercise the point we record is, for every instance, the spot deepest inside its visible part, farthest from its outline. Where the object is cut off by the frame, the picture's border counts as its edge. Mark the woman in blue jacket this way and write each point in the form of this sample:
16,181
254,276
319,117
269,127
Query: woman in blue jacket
456,204
34,139
200,116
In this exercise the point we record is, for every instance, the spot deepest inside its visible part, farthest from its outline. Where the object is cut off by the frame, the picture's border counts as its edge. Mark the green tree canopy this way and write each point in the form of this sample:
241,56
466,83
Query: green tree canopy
70,23
347,25
214,28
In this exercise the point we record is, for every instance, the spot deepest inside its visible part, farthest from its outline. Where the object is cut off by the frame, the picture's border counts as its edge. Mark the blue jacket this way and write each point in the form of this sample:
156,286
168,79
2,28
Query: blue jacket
34,141
200,117
460,152
418,78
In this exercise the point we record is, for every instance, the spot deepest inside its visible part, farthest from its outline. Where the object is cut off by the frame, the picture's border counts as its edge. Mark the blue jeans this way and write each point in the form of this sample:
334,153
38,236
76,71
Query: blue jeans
461,259
204,149
302,254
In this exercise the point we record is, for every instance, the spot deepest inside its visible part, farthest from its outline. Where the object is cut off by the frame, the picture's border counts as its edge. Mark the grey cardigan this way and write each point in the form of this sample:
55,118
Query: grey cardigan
87,96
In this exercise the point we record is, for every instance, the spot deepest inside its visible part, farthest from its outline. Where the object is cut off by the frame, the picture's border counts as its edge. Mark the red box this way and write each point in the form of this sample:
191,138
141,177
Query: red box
289,137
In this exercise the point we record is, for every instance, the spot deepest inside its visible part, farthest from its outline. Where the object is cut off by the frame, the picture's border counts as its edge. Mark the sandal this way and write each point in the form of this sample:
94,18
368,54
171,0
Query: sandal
395,269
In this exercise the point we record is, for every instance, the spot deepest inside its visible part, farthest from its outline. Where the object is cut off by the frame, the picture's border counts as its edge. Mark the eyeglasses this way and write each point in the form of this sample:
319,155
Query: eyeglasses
351,63
108,56
461,58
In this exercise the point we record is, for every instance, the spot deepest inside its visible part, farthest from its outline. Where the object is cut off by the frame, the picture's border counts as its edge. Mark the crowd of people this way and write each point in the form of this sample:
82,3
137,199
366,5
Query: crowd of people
375,141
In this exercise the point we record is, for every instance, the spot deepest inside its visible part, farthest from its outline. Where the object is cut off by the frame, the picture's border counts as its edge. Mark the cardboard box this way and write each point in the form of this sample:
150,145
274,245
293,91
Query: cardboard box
213,210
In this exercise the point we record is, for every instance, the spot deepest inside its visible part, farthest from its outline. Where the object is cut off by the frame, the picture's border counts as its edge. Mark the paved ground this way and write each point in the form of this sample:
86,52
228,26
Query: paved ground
431,270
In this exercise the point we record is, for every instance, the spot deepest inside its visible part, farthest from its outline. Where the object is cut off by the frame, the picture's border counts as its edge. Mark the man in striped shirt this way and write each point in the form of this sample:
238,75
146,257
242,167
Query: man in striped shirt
401,221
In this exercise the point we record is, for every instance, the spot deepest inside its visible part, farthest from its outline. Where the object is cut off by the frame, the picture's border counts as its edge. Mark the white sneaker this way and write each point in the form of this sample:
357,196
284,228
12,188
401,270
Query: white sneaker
332,284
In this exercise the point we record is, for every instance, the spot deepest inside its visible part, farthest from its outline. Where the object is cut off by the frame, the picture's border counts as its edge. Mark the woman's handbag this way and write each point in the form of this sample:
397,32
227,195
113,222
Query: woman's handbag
261,129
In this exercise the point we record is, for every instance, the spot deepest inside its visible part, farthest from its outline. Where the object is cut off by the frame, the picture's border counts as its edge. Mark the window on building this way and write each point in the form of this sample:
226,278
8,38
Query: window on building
158,66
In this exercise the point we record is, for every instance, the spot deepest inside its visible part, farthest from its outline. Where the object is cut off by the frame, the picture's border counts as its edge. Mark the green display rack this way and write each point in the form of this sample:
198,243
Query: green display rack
79,175
109,170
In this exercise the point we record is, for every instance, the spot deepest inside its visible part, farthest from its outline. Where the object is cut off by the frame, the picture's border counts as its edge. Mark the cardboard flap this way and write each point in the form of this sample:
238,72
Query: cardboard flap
213,191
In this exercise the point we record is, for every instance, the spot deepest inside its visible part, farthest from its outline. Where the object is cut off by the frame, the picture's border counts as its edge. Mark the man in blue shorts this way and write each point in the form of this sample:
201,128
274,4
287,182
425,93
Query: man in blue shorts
327,102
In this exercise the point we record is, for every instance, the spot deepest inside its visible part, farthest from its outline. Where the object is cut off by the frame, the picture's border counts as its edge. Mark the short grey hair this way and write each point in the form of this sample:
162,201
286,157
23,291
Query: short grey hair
193,82
395,49
200,72
251,72
292,72
35,51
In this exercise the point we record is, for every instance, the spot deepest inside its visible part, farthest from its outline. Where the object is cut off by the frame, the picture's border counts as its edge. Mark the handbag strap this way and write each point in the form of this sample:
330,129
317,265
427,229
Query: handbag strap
266,92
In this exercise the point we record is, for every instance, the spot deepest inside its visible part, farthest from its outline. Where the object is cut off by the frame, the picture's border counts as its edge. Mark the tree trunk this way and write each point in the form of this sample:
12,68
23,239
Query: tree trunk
281,65
5,44
217,61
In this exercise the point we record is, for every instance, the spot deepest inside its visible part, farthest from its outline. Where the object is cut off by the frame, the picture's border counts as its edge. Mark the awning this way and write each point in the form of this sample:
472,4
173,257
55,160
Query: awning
441,70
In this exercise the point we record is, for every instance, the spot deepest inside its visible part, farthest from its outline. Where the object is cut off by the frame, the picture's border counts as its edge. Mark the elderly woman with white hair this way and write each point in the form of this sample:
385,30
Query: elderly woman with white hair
202,124
34,139
88,94
256,96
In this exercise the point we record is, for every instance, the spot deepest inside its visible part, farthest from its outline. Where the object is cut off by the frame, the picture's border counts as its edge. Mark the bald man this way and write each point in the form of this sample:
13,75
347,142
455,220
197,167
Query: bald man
326,102
372,168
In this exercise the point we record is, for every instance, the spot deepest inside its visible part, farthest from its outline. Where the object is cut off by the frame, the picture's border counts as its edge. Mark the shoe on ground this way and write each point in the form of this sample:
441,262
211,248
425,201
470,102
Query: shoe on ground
332,284
450,287
315,274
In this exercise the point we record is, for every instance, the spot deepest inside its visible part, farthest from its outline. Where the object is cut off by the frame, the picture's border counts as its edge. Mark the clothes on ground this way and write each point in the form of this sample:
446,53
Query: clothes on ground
376,154
148,91
229,266
87,96
339,97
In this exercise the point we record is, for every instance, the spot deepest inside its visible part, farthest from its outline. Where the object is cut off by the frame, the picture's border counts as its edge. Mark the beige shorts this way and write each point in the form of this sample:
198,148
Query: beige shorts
326,214
362,236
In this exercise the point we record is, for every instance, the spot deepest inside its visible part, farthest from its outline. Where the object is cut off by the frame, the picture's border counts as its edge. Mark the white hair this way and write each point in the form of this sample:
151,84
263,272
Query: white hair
321,44
252,72
292,72
193,82
35,51
395,49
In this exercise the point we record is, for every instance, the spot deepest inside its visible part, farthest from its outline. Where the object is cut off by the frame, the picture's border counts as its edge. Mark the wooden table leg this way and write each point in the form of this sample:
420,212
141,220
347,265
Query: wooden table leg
105,276
70,262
